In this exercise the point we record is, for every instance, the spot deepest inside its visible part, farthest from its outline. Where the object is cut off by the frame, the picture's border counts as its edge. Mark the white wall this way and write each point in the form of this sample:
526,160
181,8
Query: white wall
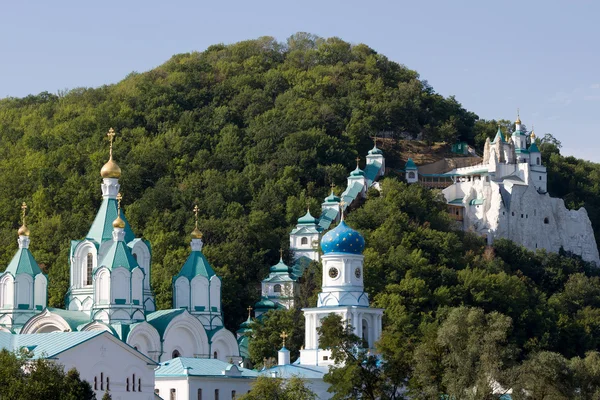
187,387
104,355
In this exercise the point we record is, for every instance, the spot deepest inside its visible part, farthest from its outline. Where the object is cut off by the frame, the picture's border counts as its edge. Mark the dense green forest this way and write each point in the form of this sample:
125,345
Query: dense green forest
252,131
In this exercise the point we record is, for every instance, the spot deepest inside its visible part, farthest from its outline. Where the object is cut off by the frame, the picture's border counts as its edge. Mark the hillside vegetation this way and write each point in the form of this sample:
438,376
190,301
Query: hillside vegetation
252,131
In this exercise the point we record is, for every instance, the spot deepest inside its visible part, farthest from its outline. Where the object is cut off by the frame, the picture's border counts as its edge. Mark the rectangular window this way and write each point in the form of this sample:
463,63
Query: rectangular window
216,394
199,394
90,267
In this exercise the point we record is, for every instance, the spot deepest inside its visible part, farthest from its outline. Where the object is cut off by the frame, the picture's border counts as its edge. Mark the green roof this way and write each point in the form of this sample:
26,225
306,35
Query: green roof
266,303
328,215
372,169
23,263
476,202
196,264
118,255
290,370
182,366
533,148
332,198
161,319
280,267
457,201
46,345
73,318
300,265
524,151
375,150
410,165
357,172
243,344
307,219
499,136
101,229
520,133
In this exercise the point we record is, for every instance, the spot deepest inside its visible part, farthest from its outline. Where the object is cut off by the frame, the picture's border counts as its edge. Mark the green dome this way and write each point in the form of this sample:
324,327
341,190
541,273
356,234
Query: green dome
357,172
375,150
280,267
307,219
332,198
410,165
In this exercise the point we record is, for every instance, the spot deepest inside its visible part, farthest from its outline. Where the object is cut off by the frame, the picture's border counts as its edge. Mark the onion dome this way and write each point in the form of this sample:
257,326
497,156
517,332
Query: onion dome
118,223
518,121
23,230
110,169
375,150
532,134
332,198
307,219
342,239
357,172
196,234
280,267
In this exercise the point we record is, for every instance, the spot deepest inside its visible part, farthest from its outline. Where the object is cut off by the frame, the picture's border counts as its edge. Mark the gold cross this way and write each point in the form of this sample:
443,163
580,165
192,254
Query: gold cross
281,254
249,311
111,136
119,198
357,161
196,209
332,185
375,139
283,336
23,210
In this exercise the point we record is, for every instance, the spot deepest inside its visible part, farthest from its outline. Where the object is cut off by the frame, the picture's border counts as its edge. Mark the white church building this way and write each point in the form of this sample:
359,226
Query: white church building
110,291
506,197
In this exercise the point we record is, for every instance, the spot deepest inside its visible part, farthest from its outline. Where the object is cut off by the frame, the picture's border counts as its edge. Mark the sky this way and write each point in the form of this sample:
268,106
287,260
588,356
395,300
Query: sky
541,57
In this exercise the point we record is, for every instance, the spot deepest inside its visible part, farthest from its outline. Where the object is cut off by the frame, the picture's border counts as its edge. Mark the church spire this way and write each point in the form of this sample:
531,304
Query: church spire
111,169
518,122
118,224
23,230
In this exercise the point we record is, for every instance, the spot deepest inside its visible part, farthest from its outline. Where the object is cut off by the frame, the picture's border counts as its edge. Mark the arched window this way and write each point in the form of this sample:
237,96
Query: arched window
215,354
133,382
173,395
233,395
90,267
277,288
135,256
175,354
101,380
107,383
216,394
139,384
199,394
411,175
537,160
95,383
127,384
304,240
546,220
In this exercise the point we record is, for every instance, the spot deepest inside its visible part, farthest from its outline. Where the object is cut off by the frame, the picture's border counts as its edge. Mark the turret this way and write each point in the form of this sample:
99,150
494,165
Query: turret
304,238
411,171
23,286
196,287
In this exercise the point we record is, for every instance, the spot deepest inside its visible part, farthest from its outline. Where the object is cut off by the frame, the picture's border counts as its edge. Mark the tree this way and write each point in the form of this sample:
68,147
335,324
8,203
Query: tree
356,374
545,375
26,378
470,350
265,388
107,396
265,334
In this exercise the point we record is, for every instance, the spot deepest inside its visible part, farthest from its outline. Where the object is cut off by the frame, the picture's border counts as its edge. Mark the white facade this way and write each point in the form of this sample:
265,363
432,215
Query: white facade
506,197
105,360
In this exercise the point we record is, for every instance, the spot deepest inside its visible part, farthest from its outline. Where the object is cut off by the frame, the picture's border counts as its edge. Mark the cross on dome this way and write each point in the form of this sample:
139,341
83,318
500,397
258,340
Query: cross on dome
196,234
23,230
283,336
118,222
111,169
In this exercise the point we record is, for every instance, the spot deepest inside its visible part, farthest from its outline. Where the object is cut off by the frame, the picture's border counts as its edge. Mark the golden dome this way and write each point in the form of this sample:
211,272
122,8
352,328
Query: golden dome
110,170
196,234
119,223
23,230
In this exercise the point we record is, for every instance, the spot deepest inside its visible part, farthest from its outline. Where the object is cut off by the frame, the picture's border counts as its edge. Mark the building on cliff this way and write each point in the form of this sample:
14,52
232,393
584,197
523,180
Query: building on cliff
506,196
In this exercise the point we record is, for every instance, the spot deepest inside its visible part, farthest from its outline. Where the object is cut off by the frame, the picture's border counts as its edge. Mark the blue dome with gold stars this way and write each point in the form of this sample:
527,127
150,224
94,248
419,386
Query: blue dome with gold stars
342,239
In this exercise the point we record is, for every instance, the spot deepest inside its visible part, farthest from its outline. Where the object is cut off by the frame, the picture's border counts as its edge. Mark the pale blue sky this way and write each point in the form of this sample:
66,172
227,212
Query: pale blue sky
540,56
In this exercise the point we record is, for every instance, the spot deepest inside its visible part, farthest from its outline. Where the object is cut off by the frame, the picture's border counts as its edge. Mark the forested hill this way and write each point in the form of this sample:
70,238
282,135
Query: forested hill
248,131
